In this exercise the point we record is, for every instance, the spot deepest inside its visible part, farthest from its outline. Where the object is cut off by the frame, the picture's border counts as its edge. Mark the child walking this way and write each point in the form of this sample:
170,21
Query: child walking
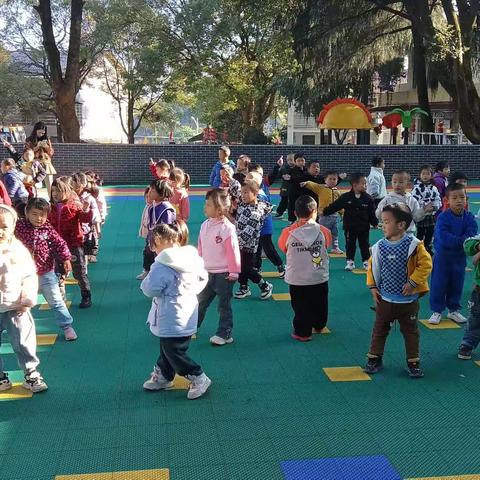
359,214
218,246
46,247
67,216
175,279
471,337
400,181
18,294
223,159
453,227
428,197
376,184
159,211
305,243
251,214
180,182
397,277
327,194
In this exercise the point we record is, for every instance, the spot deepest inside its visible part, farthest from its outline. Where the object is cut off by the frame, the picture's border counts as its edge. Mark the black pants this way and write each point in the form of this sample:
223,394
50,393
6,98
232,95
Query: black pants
292,198
376,201
173,358
363,237
148,257
248,269
268,247
310,305
283,205
426,234
79,269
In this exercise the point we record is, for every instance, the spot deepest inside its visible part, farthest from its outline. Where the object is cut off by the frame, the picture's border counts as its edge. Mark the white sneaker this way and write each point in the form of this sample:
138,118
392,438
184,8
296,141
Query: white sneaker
266,291
457,317
34,382
216,340
435,319
337,251
70,334
365,265
350,265
157,381
142,275
5,383
199,385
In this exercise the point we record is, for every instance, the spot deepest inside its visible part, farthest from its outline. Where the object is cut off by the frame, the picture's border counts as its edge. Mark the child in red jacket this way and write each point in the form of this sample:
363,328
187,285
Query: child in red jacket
67,216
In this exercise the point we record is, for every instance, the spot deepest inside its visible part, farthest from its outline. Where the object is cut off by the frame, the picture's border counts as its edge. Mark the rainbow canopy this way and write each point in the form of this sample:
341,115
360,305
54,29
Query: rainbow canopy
345,113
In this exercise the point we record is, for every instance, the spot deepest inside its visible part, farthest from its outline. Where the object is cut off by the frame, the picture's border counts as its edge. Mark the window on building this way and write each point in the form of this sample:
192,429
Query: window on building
308,139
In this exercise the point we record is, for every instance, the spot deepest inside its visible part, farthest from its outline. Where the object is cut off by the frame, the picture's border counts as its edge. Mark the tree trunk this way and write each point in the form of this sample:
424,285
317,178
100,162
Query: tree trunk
67,117
130,119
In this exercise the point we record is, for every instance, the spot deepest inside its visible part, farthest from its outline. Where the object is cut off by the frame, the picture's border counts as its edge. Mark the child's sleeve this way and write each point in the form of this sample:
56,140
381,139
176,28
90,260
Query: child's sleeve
471,226
448,239
370,278
423,267
314,187
185,208
283,239
59,247
155,283
418,213
373,218
232,251
334,207
436,201
28,296
373,186
4,198
380,207
471,246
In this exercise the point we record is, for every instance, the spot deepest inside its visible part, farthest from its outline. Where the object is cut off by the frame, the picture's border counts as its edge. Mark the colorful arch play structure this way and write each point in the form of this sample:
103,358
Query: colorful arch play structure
345,114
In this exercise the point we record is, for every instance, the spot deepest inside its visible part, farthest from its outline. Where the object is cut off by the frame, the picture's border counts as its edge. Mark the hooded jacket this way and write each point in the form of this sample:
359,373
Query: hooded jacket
306,243
13,181
215,179
376,184
176,278
44,243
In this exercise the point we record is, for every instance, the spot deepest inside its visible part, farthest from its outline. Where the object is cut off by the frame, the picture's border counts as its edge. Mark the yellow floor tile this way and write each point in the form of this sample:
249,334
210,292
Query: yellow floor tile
451,477
446,323
346,374
359,271
281,297
47,339
477,362
46,306
15,393
158,474
71,281
270,274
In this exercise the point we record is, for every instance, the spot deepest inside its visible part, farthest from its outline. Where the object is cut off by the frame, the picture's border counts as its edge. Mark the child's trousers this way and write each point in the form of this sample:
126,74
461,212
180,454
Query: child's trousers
21,331
148,257
50,289
407,316
363,237
266,245
331,222
310,305
173,358
471,337
248,269
446,285
79,268
218,286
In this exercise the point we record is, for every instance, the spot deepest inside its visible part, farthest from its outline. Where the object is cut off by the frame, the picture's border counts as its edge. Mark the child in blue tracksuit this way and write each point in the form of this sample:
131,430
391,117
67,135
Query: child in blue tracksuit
453,227
265,244
223,159
175,279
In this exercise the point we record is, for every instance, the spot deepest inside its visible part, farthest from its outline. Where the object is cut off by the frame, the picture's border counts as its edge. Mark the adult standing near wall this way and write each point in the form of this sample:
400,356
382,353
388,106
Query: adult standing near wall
40,143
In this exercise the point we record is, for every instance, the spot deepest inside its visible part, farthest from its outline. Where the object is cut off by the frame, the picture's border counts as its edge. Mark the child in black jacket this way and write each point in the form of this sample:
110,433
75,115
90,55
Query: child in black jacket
359,214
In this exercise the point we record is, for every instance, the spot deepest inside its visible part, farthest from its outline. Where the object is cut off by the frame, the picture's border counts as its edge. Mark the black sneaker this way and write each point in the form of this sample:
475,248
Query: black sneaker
243,292
281,271
266,290
5,383
374,365
414,370
464,352
86,300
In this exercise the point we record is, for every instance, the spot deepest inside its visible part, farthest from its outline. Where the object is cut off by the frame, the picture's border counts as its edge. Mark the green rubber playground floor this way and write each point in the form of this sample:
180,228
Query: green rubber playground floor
270,402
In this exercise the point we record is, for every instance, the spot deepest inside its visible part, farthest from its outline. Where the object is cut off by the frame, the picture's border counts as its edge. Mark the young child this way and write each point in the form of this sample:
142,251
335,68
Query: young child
46,247
376,184
297,176
218,246
265,243
180,182
175,279
230,184
428,198
453,227
223,159
327,194
13,180
397,277
284,173
161,169
462,179
160,211
18,294
471,336
251,214
440,178
359,214
67,215
305,243
241,170
400,181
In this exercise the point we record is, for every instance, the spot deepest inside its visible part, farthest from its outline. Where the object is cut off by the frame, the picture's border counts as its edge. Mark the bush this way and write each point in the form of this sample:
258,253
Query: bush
254,136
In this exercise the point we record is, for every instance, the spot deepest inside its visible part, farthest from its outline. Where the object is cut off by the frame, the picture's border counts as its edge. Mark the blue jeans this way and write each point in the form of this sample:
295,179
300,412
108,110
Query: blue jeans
331,222
218,285
49,288
471,337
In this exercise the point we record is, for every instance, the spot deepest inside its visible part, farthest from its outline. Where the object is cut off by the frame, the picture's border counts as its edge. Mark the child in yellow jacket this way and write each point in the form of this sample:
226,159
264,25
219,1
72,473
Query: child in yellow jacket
397,276
326,195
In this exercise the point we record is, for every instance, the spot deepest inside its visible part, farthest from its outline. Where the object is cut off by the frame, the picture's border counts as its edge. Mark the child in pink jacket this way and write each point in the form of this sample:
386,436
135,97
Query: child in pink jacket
218,246
180,182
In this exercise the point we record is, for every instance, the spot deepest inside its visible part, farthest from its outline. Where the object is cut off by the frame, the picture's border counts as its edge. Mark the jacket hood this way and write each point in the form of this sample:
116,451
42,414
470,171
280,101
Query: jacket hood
182,259
306,234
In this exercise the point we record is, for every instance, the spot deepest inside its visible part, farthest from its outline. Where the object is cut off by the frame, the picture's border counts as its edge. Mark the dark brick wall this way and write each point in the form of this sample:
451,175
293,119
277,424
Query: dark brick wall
128,164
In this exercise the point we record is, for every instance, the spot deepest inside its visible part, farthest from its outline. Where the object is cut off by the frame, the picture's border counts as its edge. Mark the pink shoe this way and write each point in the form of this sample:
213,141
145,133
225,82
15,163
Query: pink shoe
337,251
301,339
70,334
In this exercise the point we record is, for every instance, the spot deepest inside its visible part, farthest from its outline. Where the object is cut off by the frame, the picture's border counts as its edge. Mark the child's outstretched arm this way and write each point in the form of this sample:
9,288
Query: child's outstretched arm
335,207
